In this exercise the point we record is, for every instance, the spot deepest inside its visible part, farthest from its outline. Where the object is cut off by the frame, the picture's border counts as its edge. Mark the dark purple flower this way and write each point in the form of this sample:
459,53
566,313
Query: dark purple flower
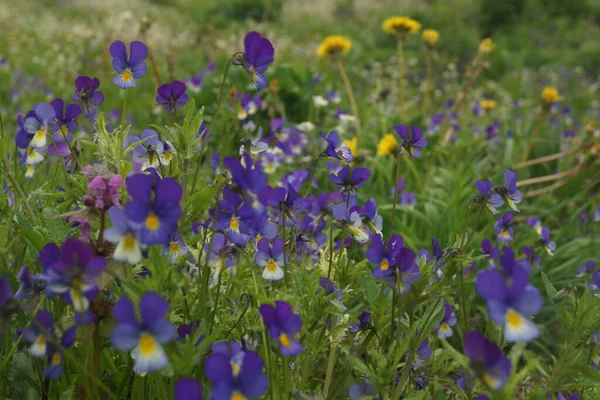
258,54
150,151
413,140
87,96
487,197
172,96
534,223
188,389
509,192
382,257
237,377
363,323
487,361
282,324
493,253
330,288
511,299
7,304
545,241
424,352
587,268
504,228
363,390
66,122
403,272
335,149
143,337
71,271
349,181
408,199
351,221
128,70
448,321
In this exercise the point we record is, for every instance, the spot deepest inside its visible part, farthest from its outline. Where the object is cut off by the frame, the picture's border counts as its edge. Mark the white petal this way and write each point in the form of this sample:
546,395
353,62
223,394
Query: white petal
131,255
273,276
518,328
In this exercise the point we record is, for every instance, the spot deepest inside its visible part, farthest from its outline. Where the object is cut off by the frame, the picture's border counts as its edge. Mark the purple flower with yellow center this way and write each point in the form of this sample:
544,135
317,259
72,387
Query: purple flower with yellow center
258,54
149,152
448,321
384,258
128,69
29,155
175,247
408,199
511,299
244,176
188,389
56,355
248,106
504,228
487,197
509,192
143,338
350,180
239,377
232,217
87,96
535,224
282,324
221,256
545,241
493,253
412,140
403,271
270,257
595,285
38,125
285,201
487,361
335,149
154,208
172,96
66,120
124,234
71,271
262,228
351,221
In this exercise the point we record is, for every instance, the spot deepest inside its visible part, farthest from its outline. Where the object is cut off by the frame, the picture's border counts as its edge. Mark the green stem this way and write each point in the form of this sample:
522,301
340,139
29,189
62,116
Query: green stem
400,54
214,314
396,177
286,381
330,366
427,81
17,188
350,93
96,348
124,109
330,252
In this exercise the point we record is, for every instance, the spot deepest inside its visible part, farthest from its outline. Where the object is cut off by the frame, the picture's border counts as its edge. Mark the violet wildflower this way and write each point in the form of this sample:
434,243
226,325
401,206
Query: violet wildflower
282,324
128,70
7,304
487,361
349,181
168,153
188,389
408,199
423,353
586,269
237,378
38,125
493,253
504,228
175,247
221,257
545,241
412,141
509,192
535,224
35,334
124,234
448,321
330,288
233,217
248,105
150,151
172,96
270,256
370,218
71,271
154,209
335,148
350,221
56,355
29,155
363,390
531,256
511,299
363,323
143,338
404,272
487,197
384,258
258,54
66,122
87,96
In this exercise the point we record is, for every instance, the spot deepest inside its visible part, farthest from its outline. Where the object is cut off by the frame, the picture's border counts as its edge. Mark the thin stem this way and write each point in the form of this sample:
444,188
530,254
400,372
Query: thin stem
17,188
396,177
96,348
427,81
350,93
549,178
544,159
124,109
75,158
330,252
330,366
312,174
400,54
536,131
125,377
392,327
214,314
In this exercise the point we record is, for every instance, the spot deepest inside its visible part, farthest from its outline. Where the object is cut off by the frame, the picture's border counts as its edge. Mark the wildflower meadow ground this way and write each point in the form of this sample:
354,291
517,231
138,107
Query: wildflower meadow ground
234,203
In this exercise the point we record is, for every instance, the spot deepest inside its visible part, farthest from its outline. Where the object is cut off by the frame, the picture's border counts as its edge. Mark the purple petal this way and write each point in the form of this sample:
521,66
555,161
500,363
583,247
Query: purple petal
491,285
153,308
49,254
139,52
118,50
188,389
124,312
125,337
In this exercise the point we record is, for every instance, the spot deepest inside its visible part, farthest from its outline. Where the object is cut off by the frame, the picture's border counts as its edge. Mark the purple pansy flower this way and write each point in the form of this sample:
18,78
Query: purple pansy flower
587,268
270,257
504,228
413,140
335,149
143,337
175,247
408,199
258,54
128,70
124,234
511,299
535,224
237,377
487,197
66,122
384,258
493,253
87,96
330,288
363,323
448,321
282,324
71,271
172,96
351,221
37,125
404,271
361,391
7,304
487,361
188,389
150,151
509,192
349,180
545,241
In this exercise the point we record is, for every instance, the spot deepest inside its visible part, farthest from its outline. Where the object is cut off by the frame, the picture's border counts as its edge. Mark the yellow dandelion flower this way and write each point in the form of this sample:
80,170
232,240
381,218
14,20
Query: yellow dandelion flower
486,46
550,95
334,45
401,25
387,145
352,144
430,37
488,105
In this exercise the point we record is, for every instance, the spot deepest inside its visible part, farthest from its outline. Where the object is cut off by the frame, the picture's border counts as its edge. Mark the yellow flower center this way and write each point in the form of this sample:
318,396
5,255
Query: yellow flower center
237,396
147,344
352,144
444,326
56,358
127,75
253,73
64,130
30,151
285,340
513,319
385,264
40,133
234,224
271,265
174,247
258,237
129,242
235,368
152,222
486,46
